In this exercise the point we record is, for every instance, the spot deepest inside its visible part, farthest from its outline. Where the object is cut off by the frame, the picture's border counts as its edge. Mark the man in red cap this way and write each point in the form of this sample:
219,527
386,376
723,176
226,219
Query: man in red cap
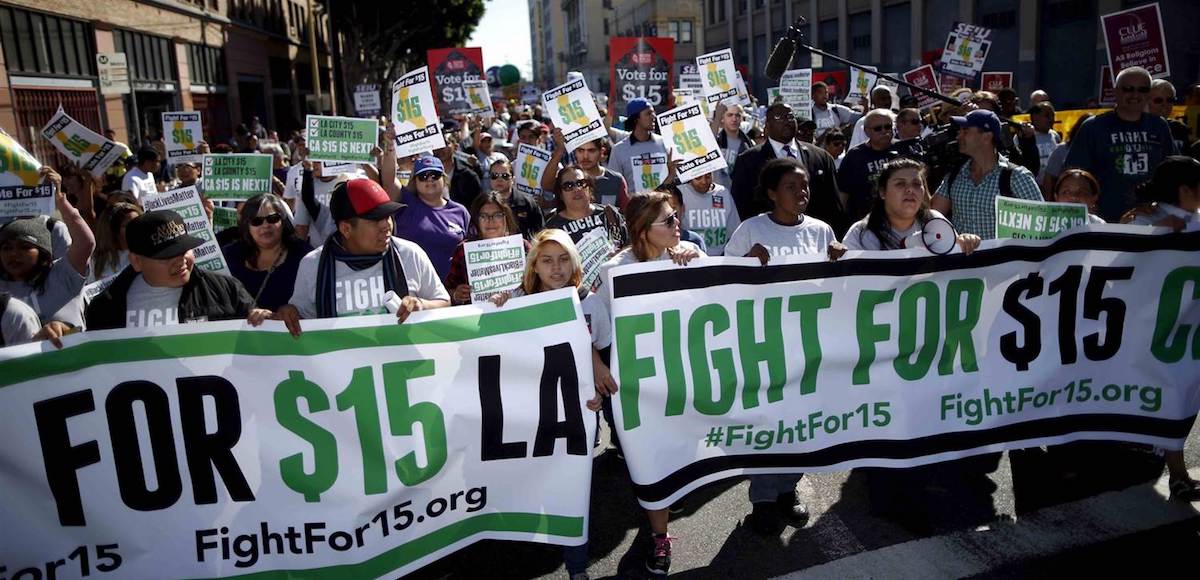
361,263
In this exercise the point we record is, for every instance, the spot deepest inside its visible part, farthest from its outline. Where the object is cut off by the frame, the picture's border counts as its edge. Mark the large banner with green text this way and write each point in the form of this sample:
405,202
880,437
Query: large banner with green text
897,359
364,449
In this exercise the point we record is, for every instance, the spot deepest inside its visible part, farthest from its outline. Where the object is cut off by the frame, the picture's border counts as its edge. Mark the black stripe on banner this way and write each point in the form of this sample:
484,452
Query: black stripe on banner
913,448
674,279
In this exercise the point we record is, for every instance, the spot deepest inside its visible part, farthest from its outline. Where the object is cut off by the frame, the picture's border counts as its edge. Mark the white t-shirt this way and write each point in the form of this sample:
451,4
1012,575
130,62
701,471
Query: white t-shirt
325,226
713,215
360,292
138,183
858,237
18,323
810,236
1046,142
147,305
61,297
595,306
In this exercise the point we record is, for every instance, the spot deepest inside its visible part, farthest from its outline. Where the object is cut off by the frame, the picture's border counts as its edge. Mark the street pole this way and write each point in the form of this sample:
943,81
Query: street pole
312,46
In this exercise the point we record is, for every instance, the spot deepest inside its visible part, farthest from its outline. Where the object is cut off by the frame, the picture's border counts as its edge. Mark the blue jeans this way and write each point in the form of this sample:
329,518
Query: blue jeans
764,488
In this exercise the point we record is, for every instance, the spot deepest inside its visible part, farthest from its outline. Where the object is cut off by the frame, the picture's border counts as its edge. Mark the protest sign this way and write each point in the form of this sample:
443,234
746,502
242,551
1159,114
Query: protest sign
113,72
186,202
573,110
795,86
651,169
950,83
337,168
862,80
718,77
531,163
182,133
1108,91
479,98
366,100
1036,220
866,365
1135,37
418,128
743,95
530,95
924,77
236,176
994,81
967,47
773,96
494,266
363,449
224,218
21,192
595,248
341,139
688,136
450,68
641,68
80,145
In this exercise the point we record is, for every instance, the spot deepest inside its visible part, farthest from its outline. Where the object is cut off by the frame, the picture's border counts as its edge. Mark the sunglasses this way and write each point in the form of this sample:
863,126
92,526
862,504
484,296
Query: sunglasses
429,176
670,221
573,185
272,219
880,128
501,175
1128,89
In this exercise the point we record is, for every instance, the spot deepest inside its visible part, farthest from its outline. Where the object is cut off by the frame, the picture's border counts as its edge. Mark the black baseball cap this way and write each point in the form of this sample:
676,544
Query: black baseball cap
361,198
159,235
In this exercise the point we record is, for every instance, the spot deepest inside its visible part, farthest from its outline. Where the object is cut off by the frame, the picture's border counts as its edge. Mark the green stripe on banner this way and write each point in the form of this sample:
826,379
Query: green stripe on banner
403,555
281,343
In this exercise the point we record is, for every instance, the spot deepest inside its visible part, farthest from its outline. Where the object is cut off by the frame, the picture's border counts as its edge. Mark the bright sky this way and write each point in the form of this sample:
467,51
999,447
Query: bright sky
503,33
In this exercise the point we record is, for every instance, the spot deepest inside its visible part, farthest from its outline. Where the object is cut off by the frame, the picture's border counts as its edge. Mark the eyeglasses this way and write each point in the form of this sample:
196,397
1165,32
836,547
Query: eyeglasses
501,175
669,222
272,219
429,176
1129,89
573,185
487,217
880,128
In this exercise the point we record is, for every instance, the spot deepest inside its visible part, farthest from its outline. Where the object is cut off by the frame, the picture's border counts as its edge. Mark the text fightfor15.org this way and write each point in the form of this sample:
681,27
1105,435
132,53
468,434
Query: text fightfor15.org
973,410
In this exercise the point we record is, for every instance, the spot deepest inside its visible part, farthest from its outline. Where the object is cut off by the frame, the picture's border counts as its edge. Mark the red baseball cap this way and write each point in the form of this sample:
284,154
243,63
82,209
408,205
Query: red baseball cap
361,198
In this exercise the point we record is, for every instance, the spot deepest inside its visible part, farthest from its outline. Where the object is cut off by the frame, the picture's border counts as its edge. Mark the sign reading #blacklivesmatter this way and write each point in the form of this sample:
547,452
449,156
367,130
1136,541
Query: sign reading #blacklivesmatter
84,147
341,139
186,202
641,68
22,192
418,128
1036,220
362,449
450,68
572,108
236,176
182,133
530,164
718,77
1020,344
686,132
1135,37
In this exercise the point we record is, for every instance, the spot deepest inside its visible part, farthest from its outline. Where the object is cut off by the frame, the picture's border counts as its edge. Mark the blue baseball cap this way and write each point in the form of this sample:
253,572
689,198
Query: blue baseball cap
426,163
632,110
982,119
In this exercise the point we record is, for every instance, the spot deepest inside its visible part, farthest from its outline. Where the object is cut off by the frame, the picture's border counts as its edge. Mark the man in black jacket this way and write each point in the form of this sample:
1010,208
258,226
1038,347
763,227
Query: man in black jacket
824,203
162,286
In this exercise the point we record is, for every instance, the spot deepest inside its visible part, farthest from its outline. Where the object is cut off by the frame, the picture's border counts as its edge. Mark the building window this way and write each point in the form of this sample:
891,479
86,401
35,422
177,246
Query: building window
43,44
685,31
860,37
829,35
150,58
206,65
897,35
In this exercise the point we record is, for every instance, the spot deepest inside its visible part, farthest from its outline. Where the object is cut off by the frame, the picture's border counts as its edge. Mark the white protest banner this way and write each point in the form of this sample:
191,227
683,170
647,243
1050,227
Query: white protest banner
862,364
22,193
862,80
718,77
924,77
186,202
595,248
1135,37
532,162
687,134
81,145
337,168
366,100
418,128
363,449
743,94
494,265
182,133
1036,220
113,72
236,176
478,97
341,139
967,47
795,86
572,109
651,169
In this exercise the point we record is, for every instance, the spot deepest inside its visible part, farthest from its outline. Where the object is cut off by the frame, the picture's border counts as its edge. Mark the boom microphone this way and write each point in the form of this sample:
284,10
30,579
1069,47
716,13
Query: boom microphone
784,51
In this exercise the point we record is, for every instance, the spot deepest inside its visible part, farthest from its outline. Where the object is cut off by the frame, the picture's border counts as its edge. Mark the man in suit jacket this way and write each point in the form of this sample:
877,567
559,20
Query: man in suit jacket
824,203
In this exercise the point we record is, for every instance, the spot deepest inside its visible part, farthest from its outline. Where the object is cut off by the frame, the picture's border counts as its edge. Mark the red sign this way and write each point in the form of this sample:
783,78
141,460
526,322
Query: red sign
449,67
994,81
1108,92
924,77
950,83
1135,37
641,68
838,81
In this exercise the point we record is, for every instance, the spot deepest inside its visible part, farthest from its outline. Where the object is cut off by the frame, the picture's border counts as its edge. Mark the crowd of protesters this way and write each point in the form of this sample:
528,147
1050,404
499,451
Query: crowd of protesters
820,182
